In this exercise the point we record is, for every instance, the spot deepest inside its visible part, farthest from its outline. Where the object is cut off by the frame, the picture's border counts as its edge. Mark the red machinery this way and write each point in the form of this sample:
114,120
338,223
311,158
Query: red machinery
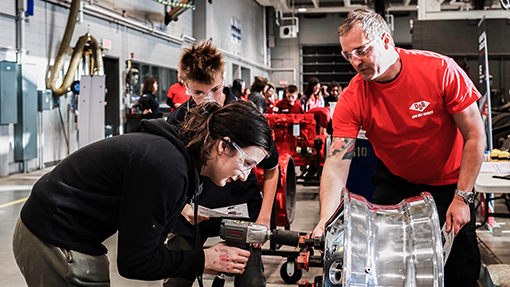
298,144
296,135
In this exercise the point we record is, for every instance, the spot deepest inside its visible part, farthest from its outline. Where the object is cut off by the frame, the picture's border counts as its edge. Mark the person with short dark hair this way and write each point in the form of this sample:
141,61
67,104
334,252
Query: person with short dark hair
177,94
136,184
239,88
290,104
256,96
334,90
419,110
268,95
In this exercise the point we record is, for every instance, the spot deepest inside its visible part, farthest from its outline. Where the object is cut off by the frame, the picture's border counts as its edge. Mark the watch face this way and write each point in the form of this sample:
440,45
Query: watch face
470,197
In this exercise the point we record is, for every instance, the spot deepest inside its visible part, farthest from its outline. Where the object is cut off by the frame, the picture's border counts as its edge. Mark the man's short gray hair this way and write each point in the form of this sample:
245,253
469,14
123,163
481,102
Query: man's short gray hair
367,20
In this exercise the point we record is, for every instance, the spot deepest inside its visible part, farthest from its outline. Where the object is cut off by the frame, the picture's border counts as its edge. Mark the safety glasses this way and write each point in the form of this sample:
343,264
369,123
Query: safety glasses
360,52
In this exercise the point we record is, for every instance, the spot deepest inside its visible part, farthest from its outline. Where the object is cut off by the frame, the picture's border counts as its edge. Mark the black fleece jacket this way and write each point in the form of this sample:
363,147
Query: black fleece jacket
136,184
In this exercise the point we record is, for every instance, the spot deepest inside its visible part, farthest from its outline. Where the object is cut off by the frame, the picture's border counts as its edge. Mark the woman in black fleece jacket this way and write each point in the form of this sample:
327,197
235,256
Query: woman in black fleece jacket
136,184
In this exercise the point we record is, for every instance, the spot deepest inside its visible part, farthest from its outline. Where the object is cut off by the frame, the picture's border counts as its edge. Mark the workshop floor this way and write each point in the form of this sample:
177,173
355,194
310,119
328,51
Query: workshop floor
15,188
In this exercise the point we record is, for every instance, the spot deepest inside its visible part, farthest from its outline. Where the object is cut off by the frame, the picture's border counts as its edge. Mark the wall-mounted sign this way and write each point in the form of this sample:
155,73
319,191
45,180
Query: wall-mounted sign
235,30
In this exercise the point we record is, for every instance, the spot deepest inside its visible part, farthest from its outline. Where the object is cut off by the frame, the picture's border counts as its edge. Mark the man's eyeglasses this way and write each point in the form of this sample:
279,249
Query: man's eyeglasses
360,52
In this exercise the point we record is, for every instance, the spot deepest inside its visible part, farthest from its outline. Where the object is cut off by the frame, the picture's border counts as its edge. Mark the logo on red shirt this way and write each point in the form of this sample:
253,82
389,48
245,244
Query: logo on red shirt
419,106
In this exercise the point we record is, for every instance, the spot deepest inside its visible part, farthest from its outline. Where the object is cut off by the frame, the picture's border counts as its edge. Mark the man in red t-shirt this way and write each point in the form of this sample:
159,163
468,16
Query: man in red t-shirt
177,94
420,114
290,104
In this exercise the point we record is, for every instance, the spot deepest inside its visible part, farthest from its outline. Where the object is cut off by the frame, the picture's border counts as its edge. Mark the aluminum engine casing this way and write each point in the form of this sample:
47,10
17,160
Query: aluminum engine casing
377,245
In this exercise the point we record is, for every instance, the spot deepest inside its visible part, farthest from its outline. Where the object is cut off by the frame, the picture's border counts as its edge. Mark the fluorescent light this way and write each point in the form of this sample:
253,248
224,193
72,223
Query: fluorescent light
302,9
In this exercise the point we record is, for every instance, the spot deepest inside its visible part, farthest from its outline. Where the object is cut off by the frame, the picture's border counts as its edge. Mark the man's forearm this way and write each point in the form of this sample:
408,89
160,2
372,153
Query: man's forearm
470,125
334,176
330,190
472,157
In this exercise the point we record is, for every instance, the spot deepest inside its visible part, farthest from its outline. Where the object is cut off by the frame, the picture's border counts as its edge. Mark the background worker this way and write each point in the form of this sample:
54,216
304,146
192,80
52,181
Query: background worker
312,95
290,104
113,186
239,89
177,94
420,114
149,103
258,88
268,97
334,90
205,81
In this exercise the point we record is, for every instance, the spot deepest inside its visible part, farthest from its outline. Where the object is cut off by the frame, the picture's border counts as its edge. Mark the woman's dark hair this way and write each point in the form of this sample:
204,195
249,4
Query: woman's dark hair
148,86
259,84
309,87
237,87
239,120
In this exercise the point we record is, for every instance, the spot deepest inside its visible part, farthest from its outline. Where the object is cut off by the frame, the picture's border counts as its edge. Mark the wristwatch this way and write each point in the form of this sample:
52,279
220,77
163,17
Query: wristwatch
469,197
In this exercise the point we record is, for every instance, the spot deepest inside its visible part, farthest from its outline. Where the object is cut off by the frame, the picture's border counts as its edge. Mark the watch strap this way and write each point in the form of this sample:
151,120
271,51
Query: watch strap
467,196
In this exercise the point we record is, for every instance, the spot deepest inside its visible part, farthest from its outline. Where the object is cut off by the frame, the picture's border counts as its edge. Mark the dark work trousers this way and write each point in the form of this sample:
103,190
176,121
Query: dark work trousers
463,265
43,264
253,275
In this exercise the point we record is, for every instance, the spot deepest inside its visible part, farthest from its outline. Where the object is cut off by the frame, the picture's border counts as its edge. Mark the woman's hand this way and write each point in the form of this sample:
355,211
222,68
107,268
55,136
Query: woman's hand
221,258
189,214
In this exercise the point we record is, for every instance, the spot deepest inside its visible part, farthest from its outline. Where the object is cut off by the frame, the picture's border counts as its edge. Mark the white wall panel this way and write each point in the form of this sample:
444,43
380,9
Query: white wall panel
8,7
8,34
215,23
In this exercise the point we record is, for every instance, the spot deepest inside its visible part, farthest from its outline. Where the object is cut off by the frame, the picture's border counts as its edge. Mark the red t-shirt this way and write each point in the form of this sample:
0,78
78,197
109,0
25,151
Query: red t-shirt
270,106
409,120
284,107
178,94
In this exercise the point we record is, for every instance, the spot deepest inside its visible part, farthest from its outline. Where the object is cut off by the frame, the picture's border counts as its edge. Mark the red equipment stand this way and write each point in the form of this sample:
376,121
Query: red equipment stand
298,143
299,136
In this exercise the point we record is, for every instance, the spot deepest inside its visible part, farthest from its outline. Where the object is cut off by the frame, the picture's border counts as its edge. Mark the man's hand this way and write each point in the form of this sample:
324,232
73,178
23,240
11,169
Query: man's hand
221,258
319,229
458,215
188,213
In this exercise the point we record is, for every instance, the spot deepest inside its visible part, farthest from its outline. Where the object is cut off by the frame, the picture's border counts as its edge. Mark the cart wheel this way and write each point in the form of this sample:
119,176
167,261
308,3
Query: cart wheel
294,275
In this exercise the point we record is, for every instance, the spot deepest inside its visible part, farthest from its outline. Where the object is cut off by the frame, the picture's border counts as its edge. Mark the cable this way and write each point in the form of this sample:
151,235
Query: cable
63,129
198,242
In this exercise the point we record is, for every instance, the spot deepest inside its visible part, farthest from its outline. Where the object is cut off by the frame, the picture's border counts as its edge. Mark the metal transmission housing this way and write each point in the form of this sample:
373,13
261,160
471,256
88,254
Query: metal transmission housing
380,245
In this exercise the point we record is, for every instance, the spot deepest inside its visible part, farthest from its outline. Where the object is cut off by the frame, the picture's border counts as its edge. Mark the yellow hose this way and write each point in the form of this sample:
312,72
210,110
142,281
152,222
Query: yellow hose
75,58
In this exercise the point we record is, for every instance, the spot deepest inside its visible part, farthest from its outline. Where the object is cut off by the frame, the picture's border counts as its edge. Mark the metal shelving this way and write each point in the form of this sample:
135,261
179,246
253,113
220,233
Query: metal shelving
325,63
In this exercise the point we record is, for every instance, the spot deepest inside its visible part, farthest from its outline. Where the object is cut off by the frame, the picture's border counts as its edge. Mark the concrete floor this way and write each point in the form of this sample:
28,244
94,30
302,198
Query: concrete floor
15,188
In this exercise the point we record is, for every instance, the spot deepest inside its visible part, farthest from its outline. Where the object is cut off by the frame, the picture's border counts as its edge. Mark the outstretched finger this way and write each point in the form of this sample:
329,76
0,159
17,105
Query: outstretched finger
243,253
237,268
